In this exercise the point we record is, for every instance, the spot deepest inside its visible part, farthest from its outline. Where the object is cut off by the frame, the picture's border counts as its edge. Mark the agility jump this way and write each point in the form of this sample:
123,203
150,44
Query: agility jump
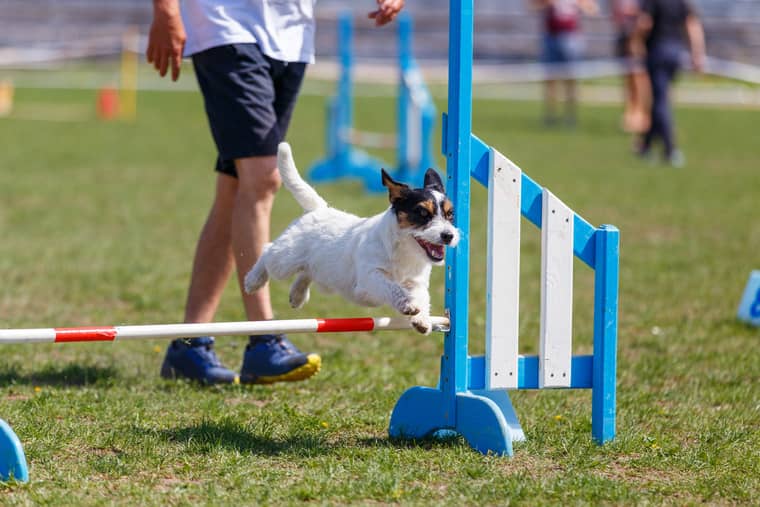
471,397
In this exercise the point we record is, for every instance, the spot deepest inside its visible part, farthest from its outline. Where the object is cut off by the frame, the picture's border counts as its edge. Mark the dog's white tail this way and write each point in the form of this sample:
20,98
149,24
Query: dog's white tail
306,196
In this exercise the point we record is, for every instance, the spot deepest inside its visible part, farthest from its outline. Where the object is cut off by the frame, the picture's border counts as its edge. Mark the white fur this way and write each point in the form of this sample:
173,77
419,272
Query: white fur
369,261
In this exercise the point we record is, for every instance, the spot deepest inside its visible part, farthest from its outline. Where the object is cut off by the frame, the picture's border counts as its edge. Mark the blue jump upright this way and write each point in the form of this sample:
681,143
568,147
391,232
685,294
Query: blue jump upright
12,458
465,400
414,121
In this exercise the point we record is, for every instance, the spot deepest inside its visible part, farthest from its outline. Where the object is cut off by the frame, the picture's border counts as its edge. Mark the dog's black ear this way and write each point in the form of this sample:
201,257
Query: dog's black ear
396,190
433,181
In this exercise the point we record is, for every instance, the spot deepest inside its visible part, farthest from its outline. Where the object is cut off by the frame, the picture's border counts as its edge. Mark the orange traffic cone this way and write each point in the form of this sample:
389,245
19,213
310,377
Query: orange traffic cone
108,103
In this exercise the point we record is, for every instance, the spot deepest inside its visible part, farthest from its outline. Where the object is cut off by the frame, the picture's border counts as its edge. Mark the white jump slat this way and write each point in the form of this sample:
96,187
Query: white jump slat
556,328
503,282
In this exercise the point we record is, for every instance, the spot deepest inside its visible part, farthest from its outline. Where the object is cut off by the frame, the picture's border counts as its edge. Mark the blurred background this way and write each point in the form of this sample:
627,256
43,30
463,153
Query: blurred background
65,34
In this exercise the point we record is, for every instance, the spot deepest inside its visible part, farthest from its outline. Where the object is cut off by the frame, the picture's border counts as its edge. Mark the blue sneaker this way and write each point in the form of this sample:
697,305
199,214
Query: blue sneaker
273,358
195,359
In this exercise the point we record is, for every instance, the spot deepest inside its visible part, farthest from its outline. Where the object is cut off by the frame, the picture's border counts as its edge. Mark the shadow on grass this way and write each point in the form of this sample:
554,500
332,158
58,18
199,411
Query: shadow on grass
59,375
446,441
208,436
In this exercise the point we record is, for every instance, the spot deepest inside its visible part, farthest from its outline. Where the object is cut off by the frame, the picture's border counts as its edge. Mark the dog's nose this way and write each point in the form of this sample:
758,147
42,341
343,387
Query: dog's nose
446,237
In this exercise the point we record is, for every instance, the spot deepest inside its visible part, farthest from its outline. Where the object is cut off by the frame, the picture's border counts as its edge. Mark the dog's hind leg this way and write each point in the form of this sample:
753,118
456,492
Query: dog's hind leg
299,291
258,275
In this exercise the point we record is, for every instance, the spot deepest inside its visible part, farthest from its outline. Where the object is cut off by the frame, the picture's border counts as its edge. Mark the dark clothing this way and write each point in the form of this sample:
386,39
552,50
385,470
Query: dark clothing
662,66
249,99
665,48
668,21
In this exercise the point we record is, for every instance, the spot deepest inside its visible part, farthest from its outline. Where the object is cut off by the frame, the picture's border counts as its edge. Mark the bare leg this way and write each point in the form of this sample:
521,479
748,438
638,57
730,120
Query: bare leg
258,182
571,102
213,255
641,99
629,103
550,101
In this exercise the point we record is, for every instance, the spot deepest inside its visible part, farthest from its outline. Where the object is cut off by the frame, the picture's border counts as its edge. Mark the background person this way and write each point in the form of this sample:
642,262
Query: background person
662,30
249,58
635,80
562,44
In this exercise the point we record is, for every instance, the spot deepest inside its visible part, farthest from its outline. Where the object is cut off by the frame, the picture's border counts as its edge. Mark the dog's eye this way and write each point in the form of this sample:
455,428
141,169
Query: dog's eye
449,215
423,213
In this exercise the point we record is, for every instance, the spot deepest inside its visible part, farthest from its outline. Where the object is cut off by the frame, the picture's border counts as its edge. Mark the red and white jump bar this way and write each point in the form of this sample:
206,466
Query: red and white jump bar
111,333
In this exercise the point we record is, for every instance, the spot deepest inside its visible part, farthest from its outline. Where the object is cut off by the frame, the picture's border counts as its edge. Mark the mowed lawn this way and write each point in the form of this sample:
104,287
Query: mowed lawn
98,222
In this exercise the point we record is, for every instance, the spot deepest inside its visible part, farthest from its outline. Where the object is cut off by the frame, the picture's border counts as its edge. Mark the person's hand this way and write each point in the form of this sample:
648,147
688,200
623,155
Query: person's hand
166,41
386,11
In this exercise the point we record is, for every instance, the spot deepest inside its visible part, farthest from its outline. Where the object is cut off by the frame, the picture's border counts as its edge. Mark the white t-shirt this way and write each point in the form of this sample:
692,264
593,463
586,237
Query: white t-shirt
283,29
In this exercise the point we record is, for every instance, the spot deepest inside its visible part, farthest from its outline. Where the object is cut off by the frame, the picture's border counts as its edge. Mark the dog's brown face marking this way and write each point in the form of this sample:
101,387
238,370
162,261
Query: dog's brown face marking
419,206
412,213
448,210
403,220
396,190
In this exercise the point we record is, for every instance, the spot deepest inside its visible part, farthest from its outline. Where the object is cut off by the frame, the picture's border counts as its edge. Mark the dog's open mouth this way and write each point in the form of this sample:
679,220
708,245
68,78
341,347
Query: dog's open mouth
433,251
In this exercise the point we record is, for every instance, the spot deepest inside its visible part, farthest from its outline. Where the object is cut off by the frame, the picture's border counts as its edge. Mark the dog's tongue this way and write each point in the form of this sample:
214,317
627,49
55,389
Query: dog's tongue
434,251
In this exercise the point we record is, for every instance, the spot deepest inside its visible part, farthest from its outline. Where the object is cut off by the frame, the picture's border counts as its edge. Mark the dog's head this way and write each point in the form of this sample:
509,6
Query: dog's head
426,214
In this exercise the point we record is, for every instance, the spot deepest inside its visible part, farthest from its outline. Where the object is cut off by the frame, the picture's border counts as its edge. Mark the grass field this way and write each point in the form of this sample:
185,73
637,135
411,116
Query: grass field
98,223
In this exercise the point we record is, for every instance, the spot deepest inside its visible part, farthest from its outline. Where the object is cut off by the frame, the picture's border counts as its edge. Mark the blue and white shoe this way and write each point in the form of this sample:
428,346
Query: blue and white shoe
273,358
195,359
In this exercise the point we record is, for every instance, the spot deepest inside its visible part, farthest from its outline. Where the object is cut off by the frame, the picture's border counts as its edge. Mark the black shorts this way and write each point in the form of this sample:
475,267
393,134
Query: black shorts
249,100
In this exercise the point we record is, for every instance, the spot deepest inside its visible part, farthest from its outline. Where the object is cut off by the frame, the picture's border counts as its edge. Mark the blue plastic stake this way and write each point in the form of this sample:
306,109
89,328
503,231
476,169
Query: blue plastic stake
749,308
12,459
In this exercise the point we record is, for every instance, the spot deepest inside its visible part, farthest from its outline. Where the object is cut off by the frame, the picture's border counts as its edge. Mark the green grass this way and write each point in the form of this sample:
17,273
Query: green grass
98,222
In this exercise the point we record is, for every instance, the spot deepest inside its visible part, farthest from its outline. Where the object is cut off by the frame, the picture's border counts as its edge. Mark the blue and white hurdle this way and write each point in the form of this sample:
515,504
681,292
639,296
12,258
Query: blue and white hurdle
471,398
414,122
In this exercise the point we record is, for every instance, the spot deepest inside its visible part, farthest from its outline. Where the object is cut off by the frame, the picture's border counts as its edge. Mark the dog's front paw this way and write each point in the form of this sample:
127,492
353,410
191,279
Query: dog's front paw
422,324
408,307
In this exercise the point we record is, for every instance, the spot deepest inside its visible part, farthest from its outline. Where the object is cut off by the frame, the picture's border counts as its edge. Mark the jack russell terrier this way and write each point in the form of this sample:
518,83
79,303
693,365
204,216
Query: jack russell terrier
383,259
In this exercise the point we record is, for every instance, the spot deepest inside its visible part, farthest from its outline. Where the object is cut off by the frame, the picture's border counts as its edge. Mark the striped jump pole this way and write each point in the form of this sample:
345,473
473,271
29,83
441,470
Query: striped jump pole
112,333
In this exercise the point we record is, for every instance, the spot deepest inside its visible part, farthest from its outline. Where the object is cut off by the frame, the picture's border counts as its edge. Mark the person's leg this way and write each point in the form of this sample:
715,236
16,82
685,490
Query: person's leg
195,358
628,102
668,134
550,101
259,181
658,80
640,98
550,58
269,358
570,53
213,260
571,102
